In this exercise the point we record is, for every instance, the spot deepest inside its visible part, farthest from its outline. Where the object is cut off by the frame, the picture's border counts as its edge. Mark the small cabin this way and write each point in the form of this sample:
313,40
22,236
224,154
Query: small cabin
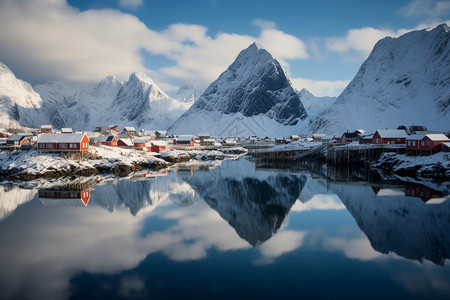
66,130
46,129
418,144
229,142
108,140
294,138
161,134
60,142
187,140
204,136
317,137
445,147
125,143
18,139
139,143
412,129
280,141
207,142
114,128
129,130
349,137
158,146
390,137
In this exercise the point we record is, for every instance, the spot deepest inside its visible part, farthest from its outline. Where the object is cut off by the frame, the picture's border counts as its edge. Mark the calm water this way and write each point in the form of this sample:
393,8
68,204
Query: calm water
232,231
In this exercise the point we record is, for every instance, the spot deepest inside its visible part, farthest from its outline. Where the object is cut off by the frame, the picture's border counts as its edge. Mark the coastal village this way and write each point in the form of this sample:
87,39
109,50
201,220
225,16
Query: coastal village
350,148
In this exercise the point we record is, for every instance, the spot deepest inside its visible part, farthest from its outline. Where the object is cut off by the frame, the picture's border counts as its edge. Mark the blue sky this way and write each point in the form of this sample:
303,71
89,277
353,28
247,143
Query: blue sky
321,44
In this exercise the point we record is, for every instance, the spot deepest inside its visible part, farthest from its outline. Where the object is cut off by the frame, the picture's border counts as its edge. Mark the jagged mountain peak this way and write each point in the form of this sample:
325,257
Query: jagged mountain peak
254,85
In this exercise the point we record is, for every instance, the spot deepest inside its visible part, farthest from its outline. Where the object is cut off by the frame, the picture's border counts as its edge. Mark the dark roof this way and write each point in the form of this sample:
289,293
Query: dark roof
411,129
350,135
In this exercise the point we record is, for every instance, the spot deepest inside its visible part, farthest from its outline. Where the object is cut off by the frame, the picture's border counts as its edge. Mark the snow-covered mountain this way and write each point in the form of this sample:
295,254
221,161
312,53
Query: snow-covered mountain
400,224
314,105
405,80
255,204
190,93
19,103
252,97
138,102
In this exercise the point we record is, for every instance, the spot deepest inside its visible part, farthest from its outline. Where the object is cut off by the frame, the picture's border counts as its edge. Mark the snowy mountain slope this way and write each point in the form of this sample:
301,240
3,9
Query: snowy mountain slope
314,105
400,224
253,86
405,80
19,103
138,102
190,93
255,204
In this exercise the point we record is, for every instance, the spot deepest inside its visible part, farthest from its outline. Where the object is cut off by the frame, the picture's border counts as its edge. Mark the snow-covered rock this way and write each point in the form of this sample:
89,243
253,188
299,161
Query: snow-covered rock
405,80
19,103
254,89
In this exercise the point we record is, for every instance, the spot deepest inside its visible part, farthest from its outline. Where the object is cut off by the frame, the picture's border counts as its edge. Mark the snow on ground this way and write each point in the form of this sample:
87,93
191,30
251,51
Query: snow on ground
102,158
434,165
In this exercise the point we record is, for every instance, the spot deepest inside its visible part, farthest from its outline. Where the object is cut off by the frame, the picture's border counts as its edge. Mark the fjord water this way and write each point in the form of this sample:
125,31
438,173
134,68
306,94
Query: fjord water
229,231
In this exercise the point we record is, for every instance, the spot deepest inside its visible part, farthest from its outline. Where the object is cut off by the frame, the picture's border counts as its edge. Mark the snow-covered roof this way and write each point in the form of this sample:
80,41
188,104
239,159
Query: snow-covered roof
318,135
66,130
294,136
446,144
148,133
437,137
392,133
126,141
209,140
61,138
46,126
18,136
203,134
159,143
126,128
106,138
139,141
415,137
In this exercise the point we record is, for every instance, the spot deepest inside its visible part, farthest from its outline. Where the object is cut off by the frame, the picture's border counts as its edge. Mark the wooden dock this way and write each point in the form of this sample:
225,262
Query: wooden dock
332,154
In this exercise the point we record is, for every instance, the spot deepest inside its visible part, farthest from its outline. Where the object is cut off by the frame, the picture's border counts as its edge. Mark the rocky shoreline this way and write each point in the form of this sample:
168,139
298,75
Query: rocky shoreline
435,166
30,165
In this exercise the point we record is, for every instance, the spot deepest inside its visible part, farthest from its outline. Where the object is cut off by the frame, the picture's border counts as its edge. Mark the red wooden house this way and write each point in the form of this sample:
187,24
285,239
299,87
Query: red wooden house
445,147
184,140
348,137
18,139
158,146
46,129
58,142
114,128
423,193
389,137
125,142
140,143
108,140
64,197
417,144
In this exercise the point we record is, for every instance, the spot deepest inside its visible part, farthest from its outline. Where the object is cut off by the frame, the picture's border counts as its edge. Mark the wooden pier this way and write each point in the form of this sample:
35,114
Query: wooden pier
332,154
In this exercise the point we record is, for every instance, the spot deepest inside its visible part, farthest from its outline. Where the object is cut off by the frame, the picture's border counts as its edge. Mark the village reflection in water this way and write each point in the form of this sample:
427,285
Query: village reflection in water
267,217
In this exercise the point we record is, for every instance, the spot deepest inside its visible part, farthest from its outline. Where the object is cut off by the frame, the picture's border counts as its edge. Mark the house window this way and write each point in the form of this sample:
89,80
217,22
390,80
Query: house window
409,143
41,146
398,140
422,143
414,143
48,146
63,146
376,141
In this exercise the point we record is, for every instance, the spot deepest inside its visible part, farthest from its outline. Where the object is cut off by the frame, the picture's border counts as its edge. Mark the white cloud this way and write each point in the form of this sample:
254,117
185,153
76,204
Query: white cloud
281,243
361,40
131,4
358,248
430,9
319,202
320,87
48,39
264,24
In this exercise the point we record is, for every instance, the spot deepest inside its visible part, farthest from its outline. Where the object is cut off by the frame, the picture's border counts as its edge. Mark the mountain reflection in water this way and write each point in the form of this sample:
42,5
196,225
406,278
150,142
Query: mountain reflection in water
130,239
